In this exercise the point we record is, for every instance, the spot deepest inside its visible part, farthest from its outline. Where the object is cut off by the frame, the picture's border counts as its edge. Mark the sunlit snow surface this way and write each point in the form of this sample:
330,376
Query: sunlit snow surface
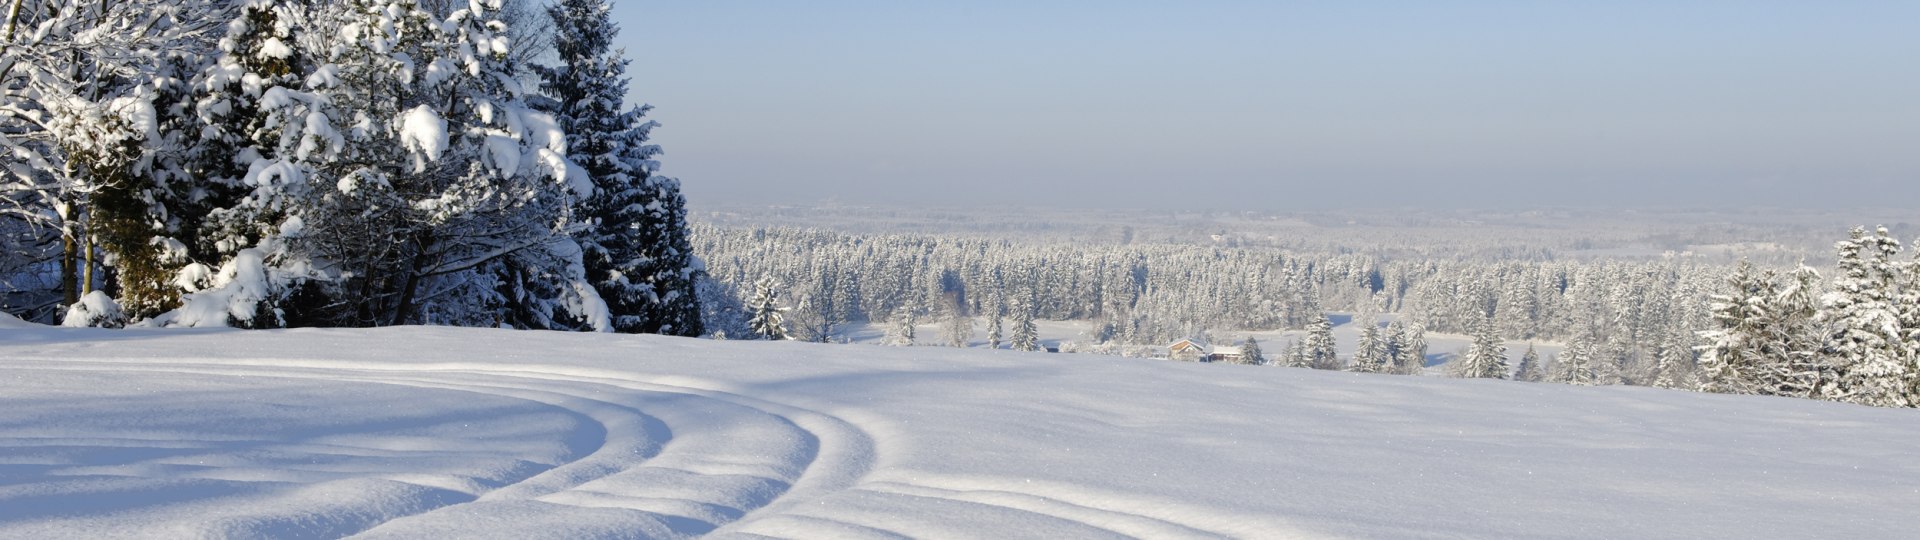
462,433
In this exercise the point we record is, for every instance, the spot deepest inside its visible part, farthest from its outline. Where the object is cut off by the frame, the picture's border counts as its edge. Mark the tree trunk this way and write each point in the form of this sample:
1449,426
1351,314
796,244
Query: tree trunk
13,19
69,270
404,311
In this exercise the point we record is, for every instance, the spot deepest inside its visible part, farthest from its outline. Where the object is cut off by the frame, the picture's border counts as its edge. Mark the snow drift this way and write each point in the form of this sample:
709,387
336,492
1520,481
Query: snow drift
444,432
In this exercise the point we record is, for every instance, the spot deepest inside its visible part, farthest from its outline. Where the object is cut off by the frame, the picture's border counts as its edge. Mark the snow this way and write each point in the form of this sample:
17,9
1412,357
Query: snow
445,432
237,289
423,133
274,48
94,309
506,154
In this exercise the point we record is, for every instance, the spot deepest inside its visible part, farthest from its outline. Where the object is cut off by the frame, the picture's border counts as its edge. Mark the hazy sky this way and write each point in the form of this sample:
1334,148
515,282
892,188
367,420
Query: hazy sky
1284,105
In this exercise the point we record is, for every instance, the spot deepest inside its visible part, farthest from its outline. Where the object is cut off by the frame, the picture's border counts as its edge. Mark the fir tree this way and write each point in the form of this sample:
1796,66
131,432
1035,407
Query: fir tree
1574,365
1251,353
1872,354
1486,358
1026,336
1319,347
994,333
1674,366
768,320
1370,354
1296,354
1529,369
1737,349
900,328
636,252
1413,356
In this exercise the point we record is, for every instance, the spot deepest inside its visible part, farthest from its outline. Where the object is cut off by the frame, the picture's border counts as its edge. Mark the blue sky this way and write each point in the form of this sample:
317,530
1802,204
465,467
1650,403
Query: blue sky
1279,105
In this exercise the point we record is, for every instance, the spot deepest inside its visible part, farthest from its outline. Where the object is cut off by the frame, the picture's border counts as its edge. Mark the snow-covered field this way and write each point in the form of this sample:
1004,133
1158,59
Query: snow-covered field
460,433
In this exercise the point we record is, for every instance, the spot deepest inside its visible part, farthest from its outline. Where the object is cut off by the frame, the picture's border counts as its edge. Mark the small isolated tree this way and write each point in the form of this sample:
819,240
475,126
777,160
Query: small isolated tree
1251,353
1319,347
768,320
959,328
900,328
1530,369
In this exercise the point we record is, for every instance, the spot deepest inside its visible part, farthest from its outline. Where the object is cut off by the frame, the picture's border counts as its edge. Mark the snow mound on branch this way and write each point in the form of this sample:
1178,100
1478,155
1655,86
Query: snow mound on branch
424,134
238,292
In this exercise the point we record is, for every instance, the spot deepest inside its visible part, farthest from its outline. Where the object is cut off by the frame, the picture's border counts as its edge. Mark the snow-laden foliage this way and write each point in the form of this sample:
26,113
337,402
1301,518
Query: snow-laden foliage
636,253
264,163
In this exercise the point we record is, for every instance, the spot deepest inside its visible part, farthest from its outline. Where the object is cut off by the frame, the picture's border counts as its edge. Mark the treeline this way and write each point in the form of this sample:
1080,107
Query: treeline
277,163
1156,293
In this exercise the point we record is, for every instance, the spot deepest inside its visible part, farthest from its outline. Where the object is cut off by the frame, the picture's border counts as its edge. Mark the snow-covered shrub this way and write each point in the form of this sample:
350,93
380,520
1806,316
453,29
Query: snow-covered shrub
95,310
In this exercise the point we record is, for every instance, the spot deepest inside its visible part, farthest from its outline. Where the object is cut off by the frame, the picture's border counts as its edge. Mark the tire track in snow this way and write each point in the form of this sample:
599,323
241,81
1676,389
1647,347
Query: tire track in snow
591,481
680,483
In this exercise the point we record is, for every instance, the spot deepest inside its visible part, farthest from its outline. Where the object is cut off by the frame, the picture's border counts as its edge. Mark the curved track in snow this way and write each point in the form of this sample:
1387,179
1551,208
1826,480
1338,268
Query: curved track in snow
702,460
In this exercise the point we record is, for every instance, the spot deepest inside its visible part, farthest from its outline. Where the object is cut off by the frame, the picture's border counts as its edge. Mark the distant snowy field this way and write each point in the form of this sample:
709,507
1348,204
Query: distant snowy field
461,433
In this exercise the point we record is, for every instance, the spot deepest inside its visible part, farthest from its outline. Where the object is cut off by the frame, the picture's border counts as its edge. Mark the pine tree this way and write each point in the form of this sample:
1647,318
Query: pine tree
1319,347
1026,335
768,320
900,328
1251,353
1413,356
1486,358
1735,351
1796,365
1370,354
1574,365
1529,369
1395,344
636,252
1674,368
1296,354
399,178
994,333
1872,354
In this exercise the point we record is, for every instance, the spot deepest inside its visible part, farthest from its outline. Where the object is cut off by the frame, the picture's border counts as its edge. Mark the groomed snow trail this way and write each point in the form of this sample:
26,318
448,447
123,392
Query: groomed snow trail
442,432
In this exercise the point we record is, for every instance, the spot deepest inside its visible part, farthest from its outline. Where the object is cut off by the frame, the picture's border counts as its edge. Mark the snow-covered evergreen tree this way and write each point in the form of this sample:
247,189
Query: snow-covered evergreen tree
1574,365
1319,347
1026,335
900,329
994,315
1251,353
636,252
1370,353
1872,353
1529,369
768,319
1296,355
1736,350
1486,357
1413,356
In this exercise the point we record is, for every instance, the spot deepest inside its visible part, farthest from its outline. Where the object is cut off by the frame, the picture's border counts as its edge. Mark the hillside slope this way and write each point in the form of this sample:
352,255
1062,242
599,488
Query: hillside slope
445,432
